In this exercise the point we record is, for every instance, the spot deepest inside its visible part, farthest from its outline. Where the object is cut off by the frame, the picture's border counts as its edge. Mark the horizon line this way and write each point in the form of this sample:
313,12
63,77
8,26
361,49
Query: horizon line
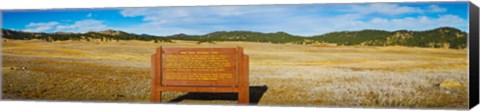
237,31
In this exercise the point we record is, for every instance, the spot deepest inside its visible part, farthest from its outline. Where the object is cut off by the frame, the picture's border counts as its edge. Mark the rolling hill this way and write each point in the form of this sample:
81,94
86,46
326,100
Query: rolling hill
107,35
443,37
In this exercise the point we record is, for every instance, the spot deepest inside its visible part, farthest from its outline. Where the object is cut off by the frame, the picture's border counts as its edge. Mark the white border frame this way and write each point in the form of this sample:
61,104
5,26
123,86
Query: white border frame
78,106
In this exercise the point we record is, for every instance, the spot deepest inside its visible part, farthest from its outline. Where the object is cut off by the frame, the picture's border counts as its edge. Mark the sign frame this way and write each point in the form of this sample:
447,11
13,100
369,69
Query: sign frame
238,84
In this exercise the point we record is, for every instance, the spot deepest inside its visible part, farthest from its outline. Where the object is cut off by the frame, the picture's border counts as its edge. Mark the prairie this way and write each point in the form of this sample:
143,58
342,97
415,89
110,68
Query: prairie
296,75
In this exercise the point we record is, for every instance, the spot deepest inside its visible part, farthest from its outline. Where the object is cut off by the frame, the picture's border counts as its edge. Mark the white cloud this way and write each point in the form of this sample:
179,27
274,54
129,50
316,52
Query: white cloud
298,20
410,23
40,27
382,8
199,14
392,9
436,8
305,20
198,11
78,26
307,26
173,20
82,26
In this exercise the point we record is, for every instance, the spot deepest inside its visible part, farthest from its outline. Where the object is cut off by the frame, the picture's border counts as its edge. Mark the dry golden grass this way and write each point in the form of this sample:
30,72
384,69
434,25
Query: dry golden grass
305,75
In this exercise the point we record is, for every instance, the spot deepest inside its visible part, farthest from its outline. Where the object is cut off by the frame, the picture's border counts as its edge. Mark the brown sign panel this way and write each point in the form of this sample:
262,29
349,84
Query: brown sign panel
199,66
200,70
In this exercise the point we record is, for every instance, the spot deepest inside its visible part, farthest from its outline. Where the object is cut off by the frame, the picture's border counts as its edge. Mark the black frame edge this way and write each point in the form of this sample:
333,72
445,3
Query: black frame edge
473,55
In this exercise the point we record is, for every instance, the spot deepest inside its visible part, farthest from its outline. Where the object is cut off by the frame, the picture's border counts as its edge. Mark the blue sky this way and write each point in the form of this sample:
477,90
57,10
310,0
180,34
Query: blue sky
305,20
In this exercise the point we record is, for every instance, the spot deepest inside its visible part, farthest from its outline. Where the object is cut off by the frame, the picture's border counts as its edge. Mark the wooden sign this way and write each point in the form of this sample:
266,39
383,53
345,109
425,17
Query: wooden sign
200,70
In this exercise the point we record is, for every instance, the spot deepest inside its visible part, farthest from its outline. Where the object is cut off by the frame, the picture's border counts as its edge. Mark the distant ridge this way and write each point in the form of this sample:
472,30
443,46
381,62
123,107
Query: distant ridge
442,37
106,35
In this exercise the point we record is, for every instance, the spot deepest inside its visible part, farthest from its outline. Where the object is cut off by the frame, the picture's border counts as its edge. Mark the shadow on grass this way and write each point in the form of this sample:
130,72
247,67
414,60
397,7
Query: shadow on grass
256,93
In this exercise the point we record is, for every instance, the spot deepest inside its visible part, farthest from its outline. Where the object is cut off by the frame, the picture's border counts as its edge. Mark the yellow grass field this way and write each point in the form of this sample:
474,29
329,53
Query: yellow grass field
283,74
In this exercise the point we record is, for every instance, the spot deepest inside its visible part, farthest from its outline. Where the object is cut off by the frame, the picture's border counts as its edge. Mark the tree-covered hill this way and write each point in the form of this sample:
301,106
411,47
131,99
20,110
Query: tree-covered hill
107,35
353,37
443,37
279,37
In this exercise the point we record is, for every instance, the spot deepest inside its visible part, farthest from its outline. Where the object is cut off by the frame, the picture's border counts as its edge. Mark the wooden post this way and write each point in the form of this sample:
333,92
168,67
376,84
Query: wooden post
243,88
246,79
155,93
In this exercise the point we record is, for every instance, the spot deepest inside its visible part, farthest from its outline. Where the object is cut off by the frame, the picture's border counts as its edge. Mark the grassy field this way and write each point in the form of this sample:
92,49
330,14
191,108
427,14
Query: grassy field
291,75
